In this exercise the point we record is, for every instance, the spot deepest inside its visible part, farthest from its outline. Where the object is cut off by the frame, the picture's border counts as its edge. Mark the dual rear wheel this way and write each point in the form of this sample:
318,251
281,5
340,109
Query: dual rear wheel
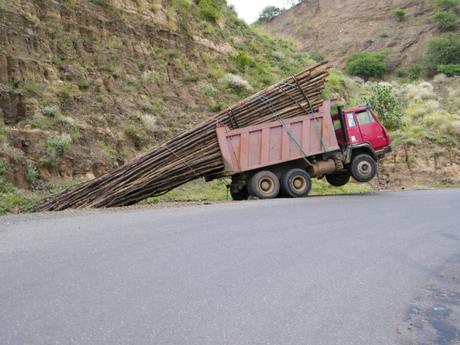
295,183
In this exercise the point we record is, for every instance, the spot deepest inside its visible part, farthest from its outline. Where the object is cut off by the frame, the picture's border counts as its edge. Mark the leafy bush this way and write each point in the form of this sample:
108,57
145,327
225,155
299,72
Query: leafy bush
102,3
49,111
399,13
209,90
269,12
445,20
382,98
414,71
243,60
58,145
2,171
210,9
135,134
317,56
442,50
367,64
31,172
446,4
449,70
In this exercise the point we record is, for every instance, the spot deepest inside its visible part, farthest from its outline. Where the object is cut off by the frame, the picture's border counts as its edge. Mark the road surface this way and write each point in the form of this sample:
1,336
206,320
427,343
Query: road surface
368,269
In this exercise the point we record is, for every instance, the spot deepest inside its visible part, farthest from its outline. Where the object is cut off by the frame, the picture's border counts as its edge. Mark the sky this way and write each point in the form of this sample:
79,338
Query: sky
249,10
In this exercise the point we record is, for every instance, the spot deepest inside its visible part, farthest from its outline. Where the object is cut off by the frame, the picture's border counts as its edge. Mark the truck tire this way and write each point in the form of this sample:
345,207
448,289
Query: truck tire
296,183
338,180
264,185
239,194
363,168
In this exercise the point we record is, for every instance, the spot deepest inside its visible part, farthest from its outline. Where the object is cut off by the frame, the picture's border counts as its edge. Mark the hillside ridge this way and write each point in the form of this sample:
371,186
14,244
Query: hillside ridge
338,28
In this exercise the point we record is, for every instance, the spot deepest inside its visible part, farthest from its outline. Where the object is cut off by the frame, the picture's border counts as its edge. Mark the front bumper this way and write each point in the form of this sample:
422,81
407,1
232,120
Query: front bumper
381,153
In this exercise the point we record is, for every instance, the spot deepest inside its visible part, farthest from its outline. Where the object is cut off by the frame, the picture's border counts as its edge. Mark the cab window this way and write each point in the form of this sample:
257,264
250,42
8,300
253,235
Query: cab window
351,120
365,118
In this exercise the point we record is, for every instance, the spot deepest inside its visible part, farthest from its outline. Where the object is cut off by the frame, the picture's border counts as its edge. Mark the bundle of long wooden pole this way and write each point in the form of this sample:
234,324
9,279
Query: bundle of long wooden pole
194,153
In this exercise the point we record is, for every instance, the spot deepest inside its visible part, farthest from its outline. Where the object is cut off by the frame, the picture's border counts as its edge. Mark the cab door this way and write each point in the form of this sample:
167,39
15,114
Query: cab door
371,130
354,134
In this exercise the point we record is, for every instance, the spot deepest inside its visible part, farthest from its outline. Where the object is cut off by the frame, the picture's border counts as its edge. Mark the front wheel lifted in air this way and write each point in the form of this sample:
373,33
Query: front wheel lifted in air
338,180
264,185
363,168
296,183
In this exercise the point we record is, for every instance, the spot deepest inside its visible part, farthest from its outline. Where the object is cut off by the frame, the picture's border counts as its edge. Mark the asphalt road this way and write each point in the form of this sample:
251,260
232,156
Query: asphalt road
360,269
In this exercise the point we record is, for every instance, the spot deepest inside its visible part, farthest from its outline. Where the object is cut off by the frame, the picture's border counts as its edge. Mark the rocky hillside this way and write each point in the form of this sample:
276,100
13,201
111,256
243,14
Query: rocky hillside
86,85
338,28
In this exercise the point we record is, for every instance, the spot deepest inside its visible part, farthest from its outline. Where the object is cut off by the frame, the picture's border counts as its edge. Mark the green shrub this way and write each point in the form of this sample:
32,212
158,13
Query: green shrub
399,13
317,56
14,200
442,50
414,72
58,145
367,64
102,3
445,20
243,60
268,13
210,9
2,171
208,90
447,4
382,98
116,71
135,134
49,111
31,172
32,87
449,70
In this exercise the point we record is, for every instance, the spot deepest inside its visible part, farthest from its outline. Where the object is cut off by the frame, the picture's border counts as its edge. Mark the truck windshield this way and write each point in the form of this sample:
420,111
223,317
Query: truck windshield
365,118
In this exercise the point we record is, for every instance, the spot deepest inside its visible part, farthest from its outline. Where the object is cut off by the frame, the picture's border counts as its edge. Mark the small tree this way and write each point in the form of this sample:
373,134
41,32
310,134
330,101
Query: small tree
445,20
367,64
383,100
399,13
442,50
269,12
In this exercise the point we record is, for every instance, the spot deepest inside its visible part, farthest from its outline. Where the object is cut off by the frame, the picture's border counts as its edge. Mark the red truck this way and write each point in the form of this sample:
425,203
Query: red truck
279,158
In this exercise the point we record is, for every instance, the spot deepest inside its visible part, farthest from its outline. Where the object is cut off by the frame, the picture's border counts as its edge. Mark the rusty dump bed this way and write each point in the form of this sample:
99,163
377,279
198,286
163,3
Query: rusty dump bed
272,143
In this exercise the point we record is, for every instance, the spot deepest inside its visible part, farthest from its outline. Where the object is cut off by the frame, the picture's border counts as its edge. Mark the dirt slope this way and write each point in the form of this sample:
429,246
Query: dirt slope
337,28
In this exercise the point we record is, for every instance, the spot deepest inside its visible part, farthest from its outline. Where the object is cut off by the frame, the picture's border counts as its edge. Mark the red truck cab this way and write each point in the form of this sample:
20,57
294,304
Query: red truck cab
362,129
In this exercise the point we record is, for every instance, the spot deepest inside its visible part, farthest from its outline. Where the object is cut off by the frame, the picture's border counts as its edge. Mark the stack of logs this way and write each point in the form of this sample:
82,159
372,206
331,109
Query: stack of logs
194,153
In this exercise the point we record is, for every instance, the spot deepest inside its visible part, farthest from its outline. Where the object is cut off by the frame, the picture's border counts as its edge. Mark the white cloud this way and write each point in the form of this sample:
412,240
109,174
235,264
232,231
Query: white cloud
249,10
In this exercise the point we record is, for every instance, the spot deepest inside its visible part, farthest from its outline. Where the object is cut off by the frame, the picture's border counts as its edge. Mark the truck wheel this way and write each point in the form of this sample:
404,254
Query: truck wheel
363,168
296,183
239,194
338,180
264,185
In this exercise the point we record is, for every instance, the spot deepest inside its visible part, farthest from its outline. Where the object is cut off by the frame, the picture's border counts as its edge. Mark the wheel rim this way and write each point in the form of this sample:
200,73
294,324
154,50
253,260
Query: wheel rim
364,168
299,184
266,185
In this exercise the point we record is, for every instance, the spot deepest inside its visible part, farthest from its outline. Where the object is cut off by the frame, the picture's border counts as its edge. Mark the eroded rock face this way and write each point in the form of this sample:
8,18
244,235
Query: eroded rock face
337,28
95,65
